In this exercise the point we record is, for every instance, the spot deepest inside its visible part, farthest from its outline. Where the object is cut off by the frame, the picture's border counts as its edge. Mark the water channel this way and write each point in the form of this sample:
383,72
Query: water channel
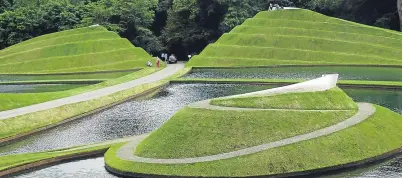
144,115
38,88
346,73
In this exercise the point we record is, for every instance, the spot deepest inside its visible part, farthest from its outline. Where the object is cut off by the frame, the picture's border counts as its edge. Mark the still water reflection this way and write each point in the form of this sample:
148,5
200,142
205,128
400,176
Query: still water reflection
345,72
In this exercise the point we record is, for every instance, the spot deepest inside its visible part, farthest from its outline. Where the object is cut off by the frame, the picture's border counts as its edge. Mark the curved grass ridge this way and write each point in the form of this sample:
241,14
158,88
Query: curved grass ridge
301,37
89,49
377,135
333,99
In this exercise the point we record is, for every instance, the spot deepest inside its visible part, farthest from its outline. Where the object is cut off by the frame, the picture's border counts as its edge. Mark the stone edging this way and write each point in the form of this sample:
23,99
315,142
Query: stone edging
7,140
309,173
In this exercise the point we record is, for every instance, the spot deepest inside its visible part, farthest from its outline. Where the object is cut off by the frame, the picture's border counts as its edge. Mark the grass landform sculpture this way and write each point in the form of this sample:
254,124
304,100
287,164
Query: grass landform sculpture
301,37
289,130
89,49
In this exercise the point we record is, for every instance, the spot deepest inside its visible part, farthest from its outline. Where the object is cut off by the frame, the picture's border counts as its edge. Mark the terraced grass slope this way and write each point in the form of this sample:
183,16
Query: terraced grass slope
301,37
87,49
204,133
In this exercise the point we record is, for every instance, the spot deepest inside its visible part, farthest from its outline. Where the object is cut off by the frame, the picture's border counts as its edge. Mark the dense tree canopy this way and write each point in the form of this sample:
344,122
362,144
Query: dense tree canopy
177,26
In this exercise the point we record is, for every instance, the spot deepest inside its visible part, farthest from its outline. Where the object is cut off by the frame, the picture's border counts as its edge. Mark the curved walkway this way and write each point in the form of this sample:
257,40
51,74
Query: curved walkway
364,111
157,76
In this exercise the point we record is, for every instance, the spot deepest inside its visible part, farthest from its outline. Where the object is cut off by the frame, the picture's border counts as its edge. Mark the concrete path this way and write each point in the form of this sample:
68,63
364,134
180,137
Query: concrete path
127,151
157,76
206,105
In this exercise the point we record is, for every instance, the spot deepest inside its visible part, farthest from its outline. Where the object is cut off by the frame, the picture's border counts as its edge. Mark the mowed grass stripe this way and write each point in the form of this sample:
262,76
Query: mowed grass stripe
122,65
139,52
308,15
59,63
273,50
297,14
68,49
321,26
61,40
309,43
61,33
347,36
229,51
203,61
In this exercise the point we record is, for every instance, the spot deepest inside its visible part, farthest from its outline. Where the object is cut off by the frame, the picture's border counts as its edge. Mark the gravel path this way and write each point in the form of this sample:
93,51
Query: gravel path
326,82
160,75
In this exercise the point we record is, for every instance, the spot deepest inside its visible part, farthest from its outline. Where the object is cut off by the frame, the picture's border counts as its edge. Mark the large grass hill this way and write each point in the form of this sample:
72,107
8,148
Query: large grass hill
89,49
197,132
301,37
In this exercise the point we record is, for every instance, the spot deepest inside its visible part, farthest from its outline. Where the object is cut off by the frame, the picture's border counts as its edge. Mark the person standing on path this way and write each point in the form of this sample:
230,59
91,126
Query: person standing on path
158,63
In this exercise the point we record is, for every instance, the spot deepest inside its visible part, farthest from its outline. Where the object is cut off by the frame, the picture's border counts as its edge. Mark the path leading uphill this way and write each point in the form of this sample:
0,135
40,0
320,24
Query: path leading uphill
157,76
365,110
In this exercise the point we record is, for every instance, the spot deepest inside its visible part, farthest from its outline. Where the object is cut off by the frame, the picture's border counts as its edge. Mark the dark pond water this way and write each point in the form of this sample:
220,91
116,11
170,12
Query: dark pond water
38,88
144,115
346,73
5,78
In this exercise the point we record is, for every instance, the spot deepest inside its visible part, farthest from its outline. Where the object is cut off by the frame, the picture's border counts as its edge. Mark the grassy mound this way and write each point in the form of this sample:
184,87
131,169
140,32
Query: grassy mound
88,49
333,99
295,37
377,135
200,132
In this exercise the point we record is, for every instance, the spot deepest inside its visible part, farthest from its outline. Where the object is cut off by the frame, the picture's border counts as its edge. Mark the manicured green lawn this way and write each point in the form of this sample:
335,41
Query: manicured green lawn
67,49
88,49
200,132
333,99
323,25
311,32
301,37
95,35
92,62
378,134
64,33
311,43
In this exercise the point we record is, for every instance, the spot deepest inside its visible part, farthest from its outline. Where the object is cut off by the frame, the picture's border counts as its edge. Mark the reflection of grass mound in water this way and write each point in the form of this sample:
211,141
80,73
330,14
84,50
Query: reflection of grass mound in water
80,50
202,132
301,37
333,99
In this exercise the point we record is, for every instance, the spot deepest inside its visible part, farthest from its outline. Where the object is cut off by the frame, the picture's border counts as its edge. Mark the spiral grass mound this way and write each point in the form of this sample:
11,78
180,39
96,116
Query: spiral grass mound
90,49
301,37
311,126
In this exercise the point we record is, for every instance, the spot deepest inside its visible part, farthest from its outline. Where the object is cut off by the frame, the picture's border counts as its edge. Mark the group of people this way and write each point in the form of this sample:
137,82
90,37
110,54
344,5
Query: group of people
171,59
275,7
